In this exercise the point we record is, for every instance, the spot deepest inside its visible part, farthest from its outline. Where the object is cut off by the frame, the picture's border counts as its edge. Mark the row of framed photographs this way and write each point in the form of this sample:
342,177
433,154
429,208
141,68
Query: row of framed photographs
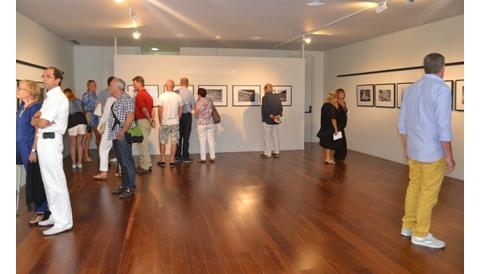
243,95
391,95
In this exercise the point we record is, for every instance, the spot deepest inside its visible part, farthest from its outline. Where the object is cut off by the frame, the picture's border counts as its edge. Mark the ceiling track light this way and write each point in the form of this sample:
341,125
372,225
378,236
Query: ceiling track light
315,3
381,7
307,39
136,34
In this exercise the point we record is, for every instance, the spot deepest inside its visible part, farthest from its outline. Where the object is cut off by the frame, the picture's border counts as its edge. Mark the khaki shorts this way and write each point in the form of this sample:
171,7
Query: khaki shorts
77,130
169,134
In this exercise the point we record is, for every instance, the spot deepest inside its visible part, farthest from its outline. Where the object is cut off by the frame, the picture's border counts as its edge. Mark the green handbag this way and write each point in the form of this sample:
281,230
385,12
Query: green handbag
134,135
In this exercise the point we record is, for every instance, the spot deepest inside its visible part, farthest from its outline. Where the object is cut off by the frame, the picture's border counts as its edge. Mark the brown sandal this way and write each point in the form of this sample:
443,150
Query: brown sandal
37,218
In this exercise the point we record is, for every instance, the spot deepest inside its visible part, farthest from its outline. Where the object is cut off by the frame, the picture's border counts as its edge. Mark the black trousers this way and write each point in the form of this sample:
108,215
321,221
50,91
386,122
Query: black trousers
184,141
341,148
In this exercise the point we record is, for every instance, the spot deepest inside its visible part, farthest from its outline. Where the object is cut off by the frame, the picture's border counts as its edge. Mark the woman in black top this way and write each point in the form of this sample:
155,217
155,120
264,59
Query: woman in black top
329,127
341,149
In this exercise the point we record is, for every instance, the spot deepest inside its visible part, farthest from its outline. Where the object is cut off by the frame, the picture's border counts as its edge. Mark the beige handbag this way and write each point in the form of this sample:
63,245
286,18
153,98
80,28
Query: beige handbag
101,129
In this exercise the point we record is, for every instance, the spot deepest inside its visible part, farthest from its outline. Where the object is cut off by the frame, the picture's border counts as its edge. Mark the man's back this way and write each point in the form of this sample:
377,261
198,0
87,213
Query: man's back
170,102
425,118
187,98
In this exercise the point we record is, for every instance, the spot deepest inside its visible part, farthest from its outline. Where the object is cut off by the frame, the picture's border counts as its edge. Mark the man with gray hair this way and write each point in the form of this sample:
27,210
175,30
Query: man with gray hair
121,119
425,127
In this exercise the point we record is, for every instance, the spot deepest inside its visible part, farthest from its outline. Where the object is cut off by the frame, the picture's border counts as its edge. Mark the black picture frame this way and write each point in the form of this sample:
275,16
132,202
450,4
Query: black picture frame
450,84
288,94
255,103
225,90
399,94
457,108
369,103
380,104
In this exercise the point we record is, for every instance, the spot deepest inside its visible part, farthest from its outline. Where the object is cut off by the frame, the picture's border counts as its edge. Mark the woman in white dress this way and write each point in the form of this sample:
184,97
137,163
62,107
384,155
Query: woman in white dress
105,144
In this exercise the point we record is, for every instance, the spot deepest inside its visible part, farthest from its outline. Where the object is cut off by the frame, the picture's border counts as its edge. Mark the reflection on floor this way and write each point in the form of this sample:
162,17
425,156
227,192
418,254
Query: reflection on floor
247,215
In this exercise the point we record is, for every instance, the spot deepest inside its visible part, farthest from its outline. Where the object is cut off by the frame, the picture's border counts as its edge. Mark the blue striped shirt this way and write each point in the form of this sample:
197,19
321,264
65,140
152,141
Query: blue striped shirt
425,118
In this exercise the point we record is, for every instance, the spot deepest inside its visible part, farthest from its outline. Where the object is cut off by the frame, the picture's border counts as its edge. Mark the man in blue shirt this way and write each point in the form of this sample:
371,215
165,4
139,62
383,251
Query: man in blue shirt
425,126
182,154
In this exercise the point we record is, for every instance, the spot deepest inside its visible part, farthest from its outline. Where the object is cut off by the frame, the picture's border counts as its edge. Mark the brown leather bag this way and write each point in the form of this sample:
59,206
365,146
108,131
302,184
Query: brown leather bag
215,114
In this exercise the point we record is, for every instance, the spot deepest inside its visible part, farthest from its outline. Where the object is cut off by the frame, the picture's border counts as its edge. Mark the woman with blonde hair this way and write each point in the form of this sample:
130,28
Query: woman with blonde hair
329,127
28,92
77,127
342,111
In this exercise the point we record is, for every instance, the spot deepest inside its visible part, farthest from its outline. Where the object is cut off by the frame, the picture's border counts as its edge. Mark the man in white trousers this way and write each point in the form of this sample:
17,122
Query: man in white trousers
51,123
272,111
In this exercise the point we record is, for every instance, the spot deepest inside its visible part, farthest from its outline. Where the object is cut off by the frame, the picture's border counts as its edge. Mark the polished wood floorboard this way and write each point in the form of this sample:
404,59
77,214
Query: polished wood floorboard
247,215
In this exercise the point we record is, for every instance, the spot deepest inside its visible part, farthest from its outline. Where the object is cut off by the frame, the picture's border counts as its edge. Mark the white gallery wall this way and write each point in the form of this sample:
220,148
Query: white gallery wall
373,130
241,128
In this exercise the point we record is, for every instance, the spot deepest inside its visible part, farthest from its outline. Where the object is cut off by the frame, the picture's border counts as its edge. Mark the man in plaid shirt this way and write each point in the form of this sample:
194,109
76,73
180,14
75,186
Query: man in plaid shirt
121,119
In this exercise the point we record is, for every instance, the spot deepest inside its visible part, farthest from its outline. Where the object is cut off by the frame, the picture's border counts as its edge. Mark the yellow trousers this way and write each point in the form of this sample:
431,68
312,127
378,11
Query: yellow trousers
145,159
422,195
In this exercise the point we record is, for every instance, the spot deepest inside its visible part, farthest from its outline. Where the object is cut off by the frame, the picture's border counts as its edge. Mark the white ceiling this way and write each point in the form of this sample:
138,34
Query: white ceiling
97,22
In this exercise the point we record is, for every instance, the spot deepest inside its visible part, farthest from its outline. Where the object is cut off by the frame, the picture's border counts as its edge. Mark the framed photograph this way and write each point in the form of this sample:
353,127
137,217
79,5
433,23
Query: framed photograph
401,88
151,89
246,96
449,83
385,95
177,87
365,95
459,98
285,94
218,93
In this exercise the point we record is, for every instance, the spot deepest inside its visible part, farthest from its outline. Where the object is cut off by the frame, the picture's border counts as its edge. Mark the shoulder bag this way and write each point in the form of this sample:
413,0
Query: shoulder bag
133,135
215,114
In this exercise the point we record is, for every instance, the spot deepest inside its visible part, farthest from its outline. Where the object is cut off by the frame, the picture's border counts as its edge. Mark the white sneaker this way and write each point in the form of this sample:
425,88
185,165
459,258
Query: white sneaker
113,160
47,222
406,232
55,230
74,166
79,165
428,241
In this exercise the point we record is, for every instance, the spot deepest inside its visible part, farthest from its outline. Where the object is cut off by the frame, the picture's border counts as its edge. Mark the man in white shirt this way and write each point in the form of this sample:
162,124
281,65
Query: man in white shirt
170,108
51,123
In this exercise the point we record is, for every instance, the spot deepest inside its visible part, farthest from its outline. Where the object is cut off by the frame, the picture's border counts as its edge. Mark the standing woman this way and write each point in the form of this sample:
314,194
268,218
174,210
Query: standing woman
329,127
205,126
77,127
90,102
105,144
28,93
341,151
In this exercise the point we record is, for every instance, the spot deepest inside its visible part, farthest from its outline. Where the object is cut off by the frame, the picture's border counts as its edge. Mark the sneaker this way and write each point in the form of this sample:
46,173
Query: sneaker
118,190
406,232
276,155
187,161
55,230
428,241
263,156
113,160
47,222
79,166
128,192
74,166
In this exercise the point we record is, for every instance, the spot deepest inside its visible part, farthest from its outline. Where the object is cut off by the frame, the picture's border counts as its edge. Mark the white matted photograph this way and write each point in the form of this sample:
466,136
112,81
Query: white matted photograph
246,95
218,94
151,89
401,89
365,94
385,95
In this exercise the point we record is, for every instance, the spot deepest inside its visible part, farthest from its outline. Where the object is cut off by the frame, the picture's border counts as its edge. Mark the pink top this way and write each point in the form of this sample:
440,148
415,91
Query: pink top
205,112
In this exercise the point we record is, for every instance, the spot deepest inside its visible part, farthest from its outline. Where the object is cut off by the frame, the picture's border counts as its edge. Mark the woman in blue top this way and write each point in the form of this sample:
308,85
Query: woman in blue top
90,102
28,93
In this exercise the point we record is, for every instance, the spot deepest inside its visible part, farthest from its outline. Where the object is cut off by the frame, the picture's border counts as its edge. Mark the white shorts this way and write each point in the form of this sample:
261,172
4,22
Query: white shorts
77,130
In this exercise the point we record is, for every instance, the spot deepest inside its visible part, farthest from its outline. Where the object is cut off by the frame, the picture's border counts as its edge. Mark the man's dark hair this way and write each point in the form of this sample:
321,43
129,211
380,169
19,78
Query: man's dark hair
139,79
202,92
433,63
109,80
57,74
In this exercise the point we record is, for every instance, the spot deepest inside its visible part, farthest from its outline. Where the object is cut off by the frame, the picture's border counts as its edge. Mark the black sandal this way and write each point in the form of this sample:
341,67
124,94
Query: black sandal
162,164
172,164
37,218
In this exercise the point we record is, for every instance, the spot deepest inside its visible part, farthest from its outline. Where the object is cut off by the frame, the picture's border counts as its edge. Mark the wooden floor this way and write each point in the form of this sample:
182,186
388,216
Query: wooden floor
247,215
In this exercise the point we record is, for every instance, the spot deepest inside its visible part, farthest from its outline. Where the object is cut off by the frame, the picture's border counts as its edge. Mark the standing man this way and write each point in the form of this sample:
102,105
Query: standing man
188,100
121,119
104,94
425,127
169,112
144,119
90,101
272,111
51,122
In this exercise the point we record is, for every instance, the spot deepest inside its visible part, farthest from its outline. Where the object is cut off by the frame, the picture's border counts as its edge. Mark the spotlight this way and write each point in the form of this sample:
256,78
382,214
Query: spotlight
154,49
136,34
218,37
119,1
315,3
307,39
382,6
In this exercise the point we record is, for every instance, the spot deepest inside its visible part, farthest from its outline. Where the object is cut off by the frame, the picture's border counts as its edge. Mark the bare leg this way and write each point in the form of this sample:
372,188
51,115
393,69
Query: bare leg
98,137
80,147
86,145
173,150
72,149
162,153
